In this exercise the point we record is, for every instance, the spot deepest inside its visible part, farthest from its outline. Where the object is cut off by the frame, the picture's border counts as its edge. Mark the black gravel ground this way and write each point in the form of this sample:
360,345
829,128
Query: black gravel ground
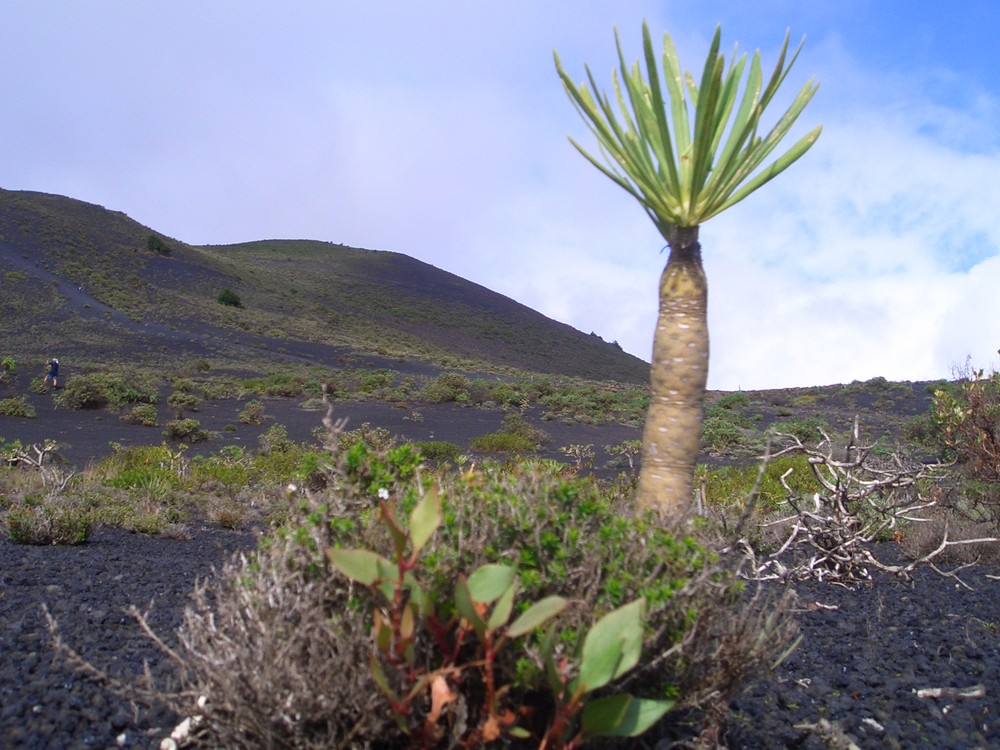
864,654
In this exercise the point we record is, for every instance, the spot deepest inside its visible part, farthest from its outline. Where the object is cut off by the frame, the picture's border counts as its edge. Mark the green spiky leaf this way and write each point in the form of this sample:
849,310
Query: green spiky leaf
681,172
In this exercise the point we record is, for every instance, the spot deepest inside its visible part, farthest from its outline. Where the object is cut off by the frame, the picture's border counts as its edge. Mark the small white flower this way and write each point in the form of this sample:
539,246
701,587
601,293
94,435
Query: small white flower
291,489
383,493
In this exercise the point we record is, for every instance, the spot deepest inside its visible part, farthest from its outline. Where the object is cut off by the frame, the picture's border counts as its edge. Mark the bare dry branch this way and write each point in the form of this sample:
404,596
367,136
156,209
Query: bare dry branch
863,499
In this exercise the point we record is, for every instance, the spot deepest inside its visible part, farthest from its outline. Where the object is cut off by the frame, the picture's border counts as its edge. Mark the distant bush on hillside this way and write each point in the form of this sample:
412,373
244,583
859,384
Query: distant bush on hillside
158,246
230,298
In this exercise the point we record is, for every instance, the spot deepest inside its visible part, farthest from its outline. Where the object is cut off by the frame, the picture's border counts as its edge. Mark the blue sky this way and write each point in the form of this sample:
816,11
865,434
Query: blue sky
439,130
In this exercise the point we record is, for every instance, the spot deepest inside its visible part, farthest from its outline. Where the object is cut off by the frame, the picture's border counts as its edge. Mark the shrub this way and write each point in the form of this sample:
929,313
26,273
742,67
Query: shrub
188,430
516,435
231,468
141,414
49,523
719,434
8,370
437,450
966,429
447,387
230,298
732,401
296,635
97,390
181,401
185,385
252,413
374,438
17,407
502,442
158,246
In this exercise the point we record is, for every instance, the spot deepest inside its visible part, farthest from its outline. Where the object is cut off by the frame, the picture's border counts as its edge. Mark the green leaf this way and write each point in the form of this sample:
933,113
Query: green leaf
362,565
622,715
382,632
425,519
489,582
537,615
381,680
612,646
466,608
501,611
603,716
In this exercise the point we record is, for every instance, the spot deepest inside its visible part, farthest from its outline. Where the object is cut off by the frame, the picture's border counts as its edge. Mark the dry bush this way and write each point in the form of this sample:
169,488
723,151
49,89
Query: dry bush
863,499
49,523
919,540
273,643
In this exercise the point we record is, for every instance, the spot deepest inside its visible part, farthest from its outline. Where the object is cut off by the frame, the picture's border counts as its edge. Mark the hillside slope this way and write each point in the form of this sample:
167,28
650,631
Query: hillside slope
78,278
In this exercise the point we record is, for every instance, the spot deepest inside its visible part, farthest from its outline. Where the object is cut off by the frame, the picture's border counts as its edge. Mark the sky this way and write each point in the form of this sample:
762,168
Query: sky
440,130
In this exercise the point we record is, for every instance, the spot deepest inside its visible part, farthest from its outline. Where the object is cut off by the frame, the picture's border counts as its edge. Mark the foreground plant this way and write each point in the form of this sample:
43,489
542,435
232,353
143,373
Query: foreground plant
436,696
684,173
443,614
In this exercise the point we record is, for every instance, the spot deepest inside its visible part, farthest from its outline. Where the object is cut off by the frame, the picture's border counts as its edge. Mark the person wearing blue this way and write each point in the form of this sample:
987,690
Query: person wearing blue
53,372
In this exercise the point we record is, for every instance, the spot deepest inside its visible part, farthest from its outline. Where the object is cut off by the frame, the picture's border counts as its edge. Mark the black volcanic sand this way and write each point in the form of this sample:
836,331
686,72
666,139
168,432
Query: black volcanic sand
858,665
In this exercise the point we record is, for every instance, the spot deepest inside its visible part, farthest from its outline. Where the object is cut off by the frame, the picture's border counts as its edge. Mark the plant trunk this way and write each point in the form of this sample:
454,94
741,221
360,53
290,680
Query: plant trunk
678,375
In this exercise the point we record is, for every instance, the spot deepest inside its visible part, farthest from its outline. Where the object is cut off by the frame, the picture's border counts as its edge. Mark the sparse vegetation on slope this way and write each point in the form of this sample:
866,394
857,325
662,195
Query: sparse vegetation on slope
82,278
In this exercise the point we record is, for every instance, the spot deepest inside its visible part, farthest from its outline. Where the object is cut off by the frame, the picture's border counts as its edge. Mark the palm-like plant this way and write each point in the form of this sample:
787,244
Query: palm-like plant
684,173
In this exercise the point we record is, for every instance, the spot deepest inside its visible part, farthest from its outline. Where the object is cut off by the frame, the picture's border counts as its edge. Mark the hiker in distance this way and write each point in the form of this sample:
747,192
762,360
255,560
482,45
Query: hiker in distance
53,372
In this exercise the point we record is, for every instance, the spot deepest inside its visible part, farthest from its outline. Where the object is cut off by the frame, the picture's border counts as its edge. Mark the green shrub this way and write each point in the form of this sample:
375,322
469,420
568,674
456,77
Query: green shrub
719,434
181,401
437,450
231,467
440,545
252,413
49,523
184,385
516,435
965,420
445,388
283,384
732,401
97,390
731,485
17,407
141,414
158,246
502,442
8,370
188,430
375,438
230,298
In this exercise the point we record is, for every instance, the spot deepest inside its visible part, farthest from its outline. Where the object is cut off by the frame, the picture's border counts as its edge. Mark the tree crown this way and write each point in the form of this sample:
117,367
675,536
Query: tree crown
684,172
